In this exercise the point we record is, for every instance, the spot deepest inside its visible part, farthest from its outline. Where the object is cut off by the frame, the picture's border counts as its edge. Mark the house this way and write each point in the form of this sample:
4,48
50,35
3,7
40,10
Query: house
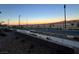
72,24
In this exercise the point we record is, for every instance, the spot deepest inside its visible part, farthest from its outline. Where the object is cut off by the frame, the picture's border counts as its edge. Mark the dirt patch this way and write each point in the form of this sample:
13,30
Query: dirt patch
17,43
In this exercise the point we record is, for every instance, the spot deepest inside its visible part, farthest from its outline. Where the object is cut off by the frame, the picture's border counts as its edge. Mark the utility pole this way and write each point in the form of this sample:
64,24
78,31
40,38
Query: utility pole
27,22
8,23
64,16
0,13
19,20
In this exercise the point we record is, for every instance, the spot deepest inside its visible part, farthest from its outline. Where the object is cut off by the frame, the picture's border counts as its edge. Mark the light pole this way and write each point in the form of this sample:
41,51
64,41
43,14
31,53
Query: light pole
26,22
0,13
8,22
64,16
19,20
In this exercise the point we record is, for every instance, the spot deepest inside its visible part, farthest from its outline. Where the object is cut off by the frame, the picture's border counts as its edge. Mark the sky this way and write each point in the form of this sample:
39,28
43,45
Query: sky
37,13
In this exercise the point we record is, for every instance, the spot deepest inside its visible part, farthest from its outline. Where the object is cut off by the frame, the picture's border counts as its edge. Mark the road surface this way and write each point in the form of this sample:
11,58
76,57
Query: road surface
12,42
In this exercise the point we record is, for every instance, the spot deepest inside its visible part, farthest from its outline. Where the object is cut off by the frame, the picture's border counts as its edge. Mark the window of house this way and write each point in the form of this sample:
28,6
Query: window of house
78,25
72,24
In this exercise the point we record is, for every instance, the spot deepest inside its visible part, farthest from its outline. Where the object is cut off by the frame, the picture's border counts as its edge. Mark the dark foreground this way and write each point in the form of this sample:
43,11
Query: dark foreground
12,42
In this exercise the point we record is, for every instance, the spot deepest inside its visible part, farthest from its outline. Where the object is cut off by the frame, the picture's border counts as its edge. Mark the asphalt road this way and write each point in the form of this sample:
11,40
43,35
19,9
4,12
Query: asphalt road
12,42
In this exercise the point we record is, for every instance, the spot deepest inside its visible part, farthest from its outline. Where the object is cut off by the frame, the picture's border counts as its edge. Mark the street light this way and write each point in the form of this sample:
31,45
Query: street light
65,16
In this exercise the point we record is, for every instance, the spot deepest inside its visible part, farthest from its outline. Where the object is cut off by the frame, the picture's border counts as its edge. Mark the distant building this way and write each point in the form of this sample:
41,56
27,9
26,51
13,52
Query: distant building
72,24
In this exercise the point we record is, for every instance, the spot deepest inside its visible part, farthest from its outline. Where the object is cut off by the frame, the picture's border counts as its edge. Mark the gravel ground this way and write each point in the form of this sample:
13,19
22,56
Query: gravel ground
12,42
